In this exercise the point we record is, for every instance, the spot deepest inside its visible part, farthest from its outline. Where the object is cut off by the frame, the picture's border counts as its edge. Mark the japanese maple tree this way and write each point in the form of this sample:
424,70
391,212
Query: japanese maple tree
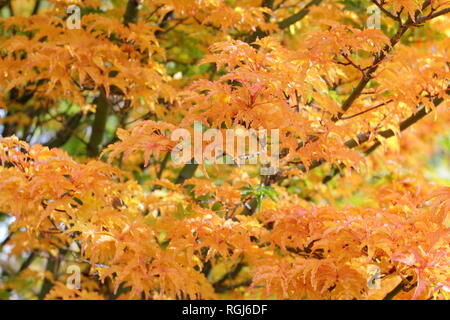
91,93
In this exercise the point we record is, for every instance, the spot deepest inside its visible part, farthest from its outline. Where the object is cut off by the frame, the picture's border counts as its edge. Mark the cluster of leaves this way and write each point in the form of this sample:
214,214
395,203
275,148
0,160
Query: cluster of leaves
137,226
160,243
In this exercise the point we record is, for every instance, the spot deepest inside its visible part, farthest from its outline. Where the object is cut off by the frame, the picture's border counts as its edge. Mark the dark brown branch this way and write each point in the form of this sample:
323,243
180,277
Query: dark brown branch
36,7
433,15
11,10
401,287
163,165
189,169
364,137
351,63
379,57
285,23
4,242
405,124
66,132
3,4
232,274
150,15
47,284
131,12
28,261
186,172
299,15
367,110
102,101
180,21
99,125
369,74
258,32
385,11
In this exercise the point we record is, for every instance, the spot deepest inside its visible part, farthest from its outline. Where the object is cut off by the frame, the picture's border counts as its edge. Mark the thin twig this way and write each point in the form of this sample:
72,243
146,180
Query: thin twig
367,110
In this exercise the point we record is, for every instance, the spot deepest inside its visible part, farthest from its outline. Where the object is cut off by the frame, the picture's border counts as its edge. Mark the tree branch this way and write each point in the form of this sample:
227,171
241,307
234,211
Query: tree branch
369,74
400,287
99,125
258,32
367,110
364,137
186,172
66,132
433,15
380,56
47,284
102,102
36,7
405,124
386,12
283,24
131,12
